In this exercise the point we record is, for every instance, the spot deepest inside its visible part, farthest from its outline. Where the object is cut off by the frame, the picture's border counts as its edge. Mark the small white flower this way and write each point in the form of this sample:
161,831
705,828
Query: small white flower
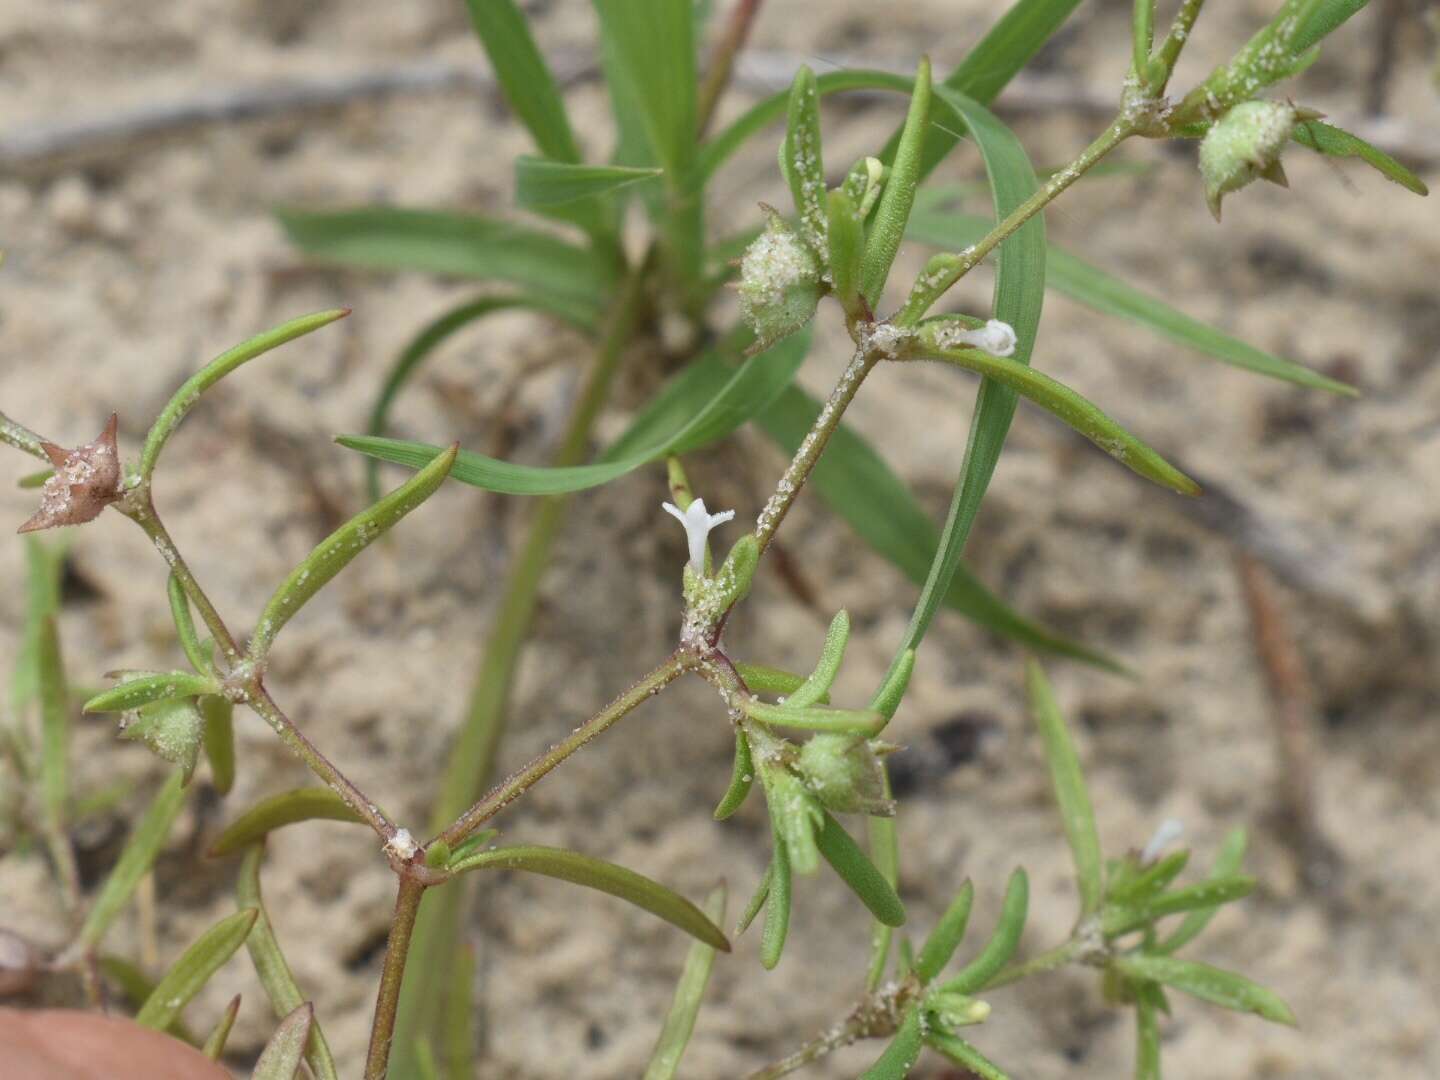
698,522
1166,834
995,337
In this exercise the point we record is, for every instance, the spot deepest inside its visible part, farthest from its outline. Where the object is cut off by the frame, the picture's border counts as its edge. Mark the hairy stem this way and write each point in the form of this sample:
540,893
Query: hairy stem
1054,958
803,463
1174,42
402,924
931,286
510,789
21,437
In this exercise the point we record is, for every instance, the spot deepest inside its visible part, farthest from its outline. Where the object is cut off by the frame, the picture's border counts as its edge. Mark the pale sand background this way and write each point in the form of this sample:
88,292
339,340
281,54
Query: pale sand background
127,272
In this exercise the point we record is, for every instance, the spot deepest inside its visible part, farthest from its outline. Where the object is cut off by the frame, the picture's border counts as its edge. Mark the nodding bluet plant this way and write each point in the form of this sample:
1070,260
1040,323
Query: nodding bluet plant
820,763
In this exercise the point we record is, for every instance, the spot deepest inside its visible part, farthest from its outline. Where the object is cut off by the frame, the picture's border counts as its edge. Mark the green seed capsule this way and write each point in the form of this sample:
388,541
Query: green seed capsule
779,282
844,774
1244,145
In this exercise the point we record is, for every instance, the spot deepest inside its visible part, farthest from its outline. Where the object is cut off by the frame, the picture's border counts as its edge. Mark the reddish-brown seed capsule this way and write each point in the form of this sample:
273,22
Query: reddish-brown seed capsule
86,480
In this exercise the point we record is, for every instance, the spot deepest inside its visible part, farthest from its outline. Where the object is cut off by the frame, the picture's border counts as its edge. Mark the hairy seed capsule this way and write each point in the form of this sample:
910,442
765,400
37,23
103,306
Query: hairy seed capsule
779,282
1244,145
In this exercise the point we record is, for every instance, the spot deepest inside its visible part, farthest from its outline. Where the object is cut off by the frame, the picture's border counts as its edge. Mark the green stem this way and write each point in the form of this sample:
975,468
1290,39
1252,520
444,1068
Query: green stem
934,284
21,437
1057,957
1142,23
407,907
722,63
1174,42
506,792
803,463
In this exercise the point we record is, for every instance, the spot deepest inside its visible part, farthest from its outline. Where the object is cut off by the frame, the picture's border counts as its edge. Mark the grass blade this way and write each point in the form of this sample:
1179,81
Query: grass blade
454,245
1070,791
193,970
541,183
54,728
605,877
856,483
139,854
680,1021
524,77
654,51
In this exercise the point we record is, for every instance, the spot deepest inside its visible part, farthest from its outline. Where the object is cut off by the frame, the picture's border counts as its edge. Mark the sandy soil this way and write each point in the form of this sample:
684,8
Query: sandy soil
125,273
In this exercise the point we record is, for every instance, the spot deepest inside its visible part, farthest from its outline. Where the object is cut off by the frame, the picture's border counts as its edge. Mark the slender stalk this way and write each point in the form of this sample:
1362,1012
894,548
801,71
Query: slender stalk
402,925
813,446
931,286
21,437
259,699
1142,24
1054,958
506,792
722,63
1174,42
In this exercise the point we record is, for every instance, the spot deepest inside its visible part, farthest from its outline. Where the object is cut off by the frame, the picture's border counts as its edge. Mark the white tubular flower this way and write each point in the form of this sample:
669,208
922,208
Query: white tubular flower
995,337
698,522
1166,834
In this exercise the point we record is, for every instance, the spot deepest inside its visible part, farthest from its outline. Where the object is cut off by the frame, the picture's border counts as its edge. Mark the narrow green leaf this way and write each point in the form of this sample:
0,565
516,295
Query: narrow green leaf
193,970
846,721
214,1046
524,77
1003,941
185,627
757,900
185,398
749,390
1070,791
44,564
1337,142
654,52
458,1024
31,481
885,853
135,988
270,964
742,776
1319,19
138,855
801,159
1227,864
892,691
336,551
898,197
846,246
1223,988
903,1051
1097,289
962,1053
1019,294
433,334
795,813
454,245
940,946
818,684
763,679
680,1021
54,726
861,488
857,871
1128,887
302,804
143,689
606,877
541,183
1207,895
219,739
1074,410
280,1060
777,904
1147,1040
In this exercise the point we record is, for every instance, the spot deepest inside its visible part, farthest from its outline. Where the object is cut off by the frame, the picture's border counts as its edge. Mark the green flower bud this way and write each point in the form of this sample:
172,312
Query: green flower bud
172,728
780,284
1244,145
844,773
